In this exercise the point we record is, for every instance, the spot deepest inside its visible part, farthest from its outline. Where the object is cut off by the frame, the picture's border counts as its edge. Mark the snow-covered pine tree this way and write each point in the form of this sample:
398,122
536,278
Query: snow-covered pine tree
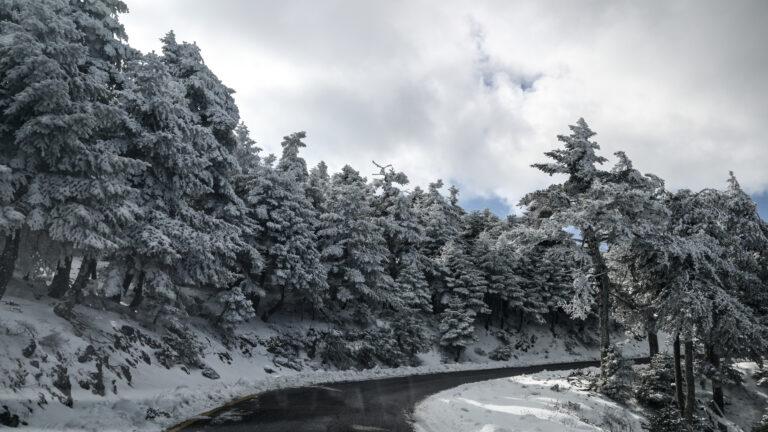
746,241
215,114
544,268
632,263
318,185
60,128
605,207
184,237
695,300
498,260
441,222
464,281
286,219
457,329
440,218
412,286
403,235
246,151
354,249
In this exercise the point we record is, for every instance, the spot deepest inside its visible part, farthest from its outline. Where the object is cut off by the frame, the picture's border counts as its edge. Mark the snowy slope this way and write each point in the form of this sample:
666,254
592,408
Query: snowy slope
141,394
544,402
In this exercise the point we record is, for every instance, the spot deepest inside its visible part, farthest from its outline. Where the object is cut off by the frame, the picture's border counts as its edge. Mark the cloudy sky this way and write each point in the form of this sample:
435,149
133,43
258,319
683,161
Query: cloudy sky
474,91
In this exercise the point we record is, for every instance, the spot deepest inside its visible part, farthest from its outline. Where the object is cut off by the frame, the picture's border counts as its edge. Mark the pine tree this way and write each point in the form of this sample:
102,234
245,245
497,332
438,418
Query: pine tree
353,247
606,207
495,255
464,281
246,151
61,131
456,327
187,234
318,185
404,236
412,286
440,218
441,222
286,223
697,300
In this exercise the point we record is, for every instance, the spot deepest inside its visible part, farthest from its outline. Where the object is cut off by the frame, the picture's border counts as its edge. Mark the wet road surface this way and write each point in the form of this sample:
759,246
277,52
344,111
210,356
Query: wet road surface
373,405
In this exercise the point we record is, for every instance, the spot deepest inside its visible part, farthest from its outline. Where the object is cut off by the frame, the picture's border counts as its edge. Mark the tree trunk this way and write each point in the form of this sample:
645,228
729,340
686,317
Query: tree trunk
717,386
60,283
678,377
653,343
276,307
503,313
690,402
127,279
8,260
138,292
255,301
74,294
604,290
92,269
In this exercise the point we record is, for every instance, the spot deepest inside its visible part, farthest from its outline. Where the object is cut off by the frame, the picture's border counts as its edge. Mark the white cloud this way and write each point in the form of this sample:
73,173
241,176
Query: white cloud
476,91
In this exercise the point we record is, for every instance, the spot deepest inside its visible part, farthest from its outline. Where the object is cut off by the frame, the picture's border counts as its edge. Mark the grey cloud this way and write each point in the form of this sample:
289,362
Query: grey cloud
476,91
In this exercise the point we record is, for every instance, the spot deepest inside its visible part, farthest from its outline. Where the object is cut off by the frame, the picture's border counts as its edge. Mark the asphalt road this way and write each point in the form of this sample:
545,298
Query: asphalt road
373,405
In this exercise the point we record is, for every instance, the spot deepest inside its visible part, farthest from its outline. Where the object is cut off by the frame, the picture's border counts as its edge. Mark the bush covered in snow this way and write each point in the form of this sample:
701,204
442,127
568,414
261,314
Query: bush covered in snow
616,376
502,353
654,385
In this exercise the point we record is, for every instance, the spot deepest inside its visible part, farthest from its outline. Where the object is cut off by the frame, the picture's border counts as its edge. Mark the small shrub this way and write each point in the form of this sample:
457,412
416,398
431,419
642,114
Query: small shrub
180,347
654,387
284,345
501,353
334,350
412,336
615,380
667,419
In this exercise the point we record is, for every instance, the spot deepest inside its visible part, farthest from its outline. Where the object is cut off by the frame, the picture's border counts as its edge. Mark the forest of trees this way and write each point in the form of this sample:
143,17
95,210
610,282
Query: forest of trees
138,165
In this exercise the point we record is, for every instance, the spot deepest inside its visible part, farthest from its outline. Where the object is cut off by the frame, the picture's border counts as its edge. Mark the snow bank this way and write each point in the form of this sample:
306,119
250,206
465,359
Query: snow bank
544,402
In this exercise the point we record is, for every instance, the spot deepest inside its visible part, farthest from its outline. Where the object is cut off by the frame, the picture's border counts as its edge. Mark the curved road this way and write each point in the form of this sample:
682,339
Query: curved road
373,405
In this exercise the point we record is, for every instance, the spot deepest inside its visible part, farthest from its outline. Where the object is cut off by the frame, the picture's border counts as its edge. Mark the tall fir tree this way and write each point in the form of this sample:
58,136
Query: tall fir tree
354,249
61,131
278,202
605,207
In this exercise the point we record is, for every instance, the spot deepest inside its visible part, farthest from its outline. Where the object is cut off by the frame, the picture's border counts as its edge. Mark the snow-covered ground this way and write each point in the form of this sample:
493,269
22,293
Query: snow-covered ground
557,402
135,381
543,402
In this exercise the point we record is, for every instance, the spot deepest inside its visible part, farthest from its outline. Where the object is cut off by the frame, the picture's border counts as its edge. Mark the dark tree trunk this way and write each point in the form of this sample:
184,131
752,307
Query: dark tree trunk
74,294
604,289
678,376
552,322
503,313
138,292
127,279
653,343
60,283
92,269
8,260
717,387
255,301
81,280
276,307
690,385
